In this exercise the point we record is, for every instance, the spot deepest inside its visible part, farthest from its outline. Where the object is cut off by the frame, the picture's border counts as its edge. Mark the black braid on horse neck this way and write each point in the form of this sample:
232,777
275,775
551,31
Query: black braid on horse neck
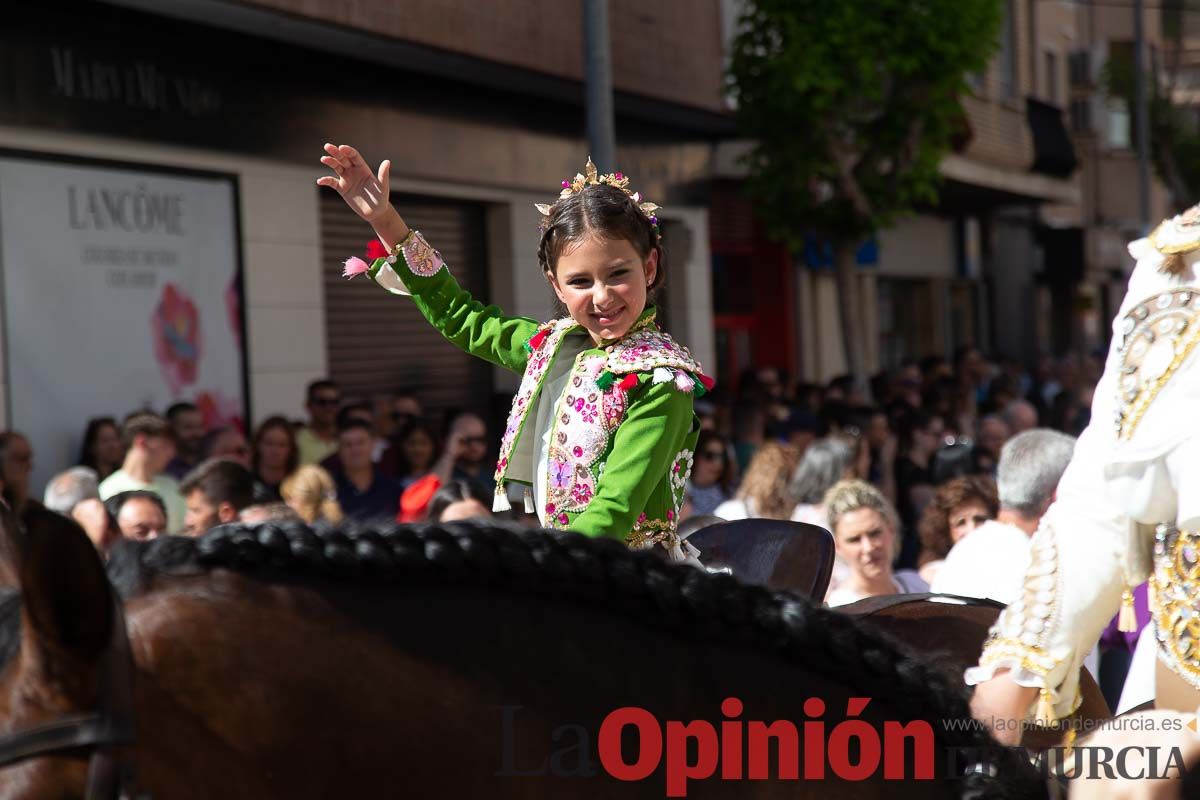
685,600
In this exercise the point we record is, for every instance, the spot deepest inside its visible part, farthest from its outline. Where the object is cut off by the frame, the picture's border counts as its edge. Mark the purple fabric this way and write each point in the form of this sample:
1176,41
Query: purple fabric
1114,639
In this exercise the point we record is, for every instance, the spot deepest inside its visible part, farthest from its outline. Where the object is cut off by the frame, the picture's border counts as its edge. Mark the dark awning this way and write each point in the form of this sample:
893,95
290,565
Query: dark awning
1053,152
1062,251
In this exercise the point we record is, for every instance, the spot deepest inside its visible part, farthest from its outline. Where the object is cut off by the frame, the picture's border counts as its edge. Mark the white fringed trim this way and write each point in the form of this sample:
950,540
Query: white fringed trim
500,500
389,279
529,509
684,553
662,375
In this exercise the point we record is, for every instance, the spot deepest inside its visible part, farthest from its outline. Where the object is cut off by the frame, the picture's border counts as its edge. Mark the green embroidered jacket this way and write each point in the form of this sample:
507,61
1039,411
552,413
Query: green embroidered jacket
622,431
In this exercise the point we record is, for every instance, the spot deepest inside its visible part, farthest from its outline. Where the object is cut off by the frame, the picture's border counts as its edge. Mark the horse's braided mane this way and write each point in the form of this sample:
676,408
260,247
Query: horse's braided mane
688,601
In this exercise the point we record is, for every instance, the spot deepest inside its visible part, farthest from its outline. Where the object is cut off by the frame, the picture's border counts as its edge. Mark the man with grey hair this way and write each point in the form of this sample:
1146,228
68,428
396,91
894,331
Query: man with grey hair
991,561
69,487
1020,416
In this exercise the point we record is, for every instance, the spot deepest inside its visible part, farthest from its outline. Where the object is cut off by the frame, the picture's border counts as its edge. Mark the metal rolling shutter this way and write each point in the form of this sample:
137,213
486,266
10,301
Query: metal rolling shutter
379,342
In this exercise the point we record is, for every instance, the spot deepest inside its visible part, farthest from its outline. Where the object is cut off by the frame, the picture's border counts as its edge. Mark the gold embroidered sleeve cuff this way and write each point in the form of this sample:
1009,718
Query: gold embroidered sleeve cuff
1022,639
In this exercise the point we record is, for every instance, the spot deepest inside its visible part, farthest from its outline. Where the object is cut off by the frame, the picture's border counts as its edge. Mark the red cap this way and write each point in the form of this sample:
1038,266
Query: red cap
414,503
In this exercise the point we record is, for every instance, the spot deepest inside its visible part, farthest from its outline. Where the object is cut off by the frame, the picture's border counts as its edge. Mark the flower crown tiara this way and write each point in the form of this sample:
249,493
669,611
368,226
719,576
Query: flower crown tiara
591,177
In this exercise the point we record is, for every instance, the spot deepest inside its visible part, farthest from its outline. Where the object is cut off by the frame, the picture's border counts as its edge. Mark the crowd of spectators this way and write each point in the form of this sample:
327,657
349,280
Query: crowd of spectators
150,474
909,461
923,450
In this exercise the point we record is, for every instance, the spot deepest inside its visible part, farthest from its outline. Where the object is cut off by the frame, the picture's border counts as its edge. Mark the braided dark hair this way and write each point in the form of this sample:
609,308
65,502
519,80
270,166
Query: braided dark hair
688,601
600,210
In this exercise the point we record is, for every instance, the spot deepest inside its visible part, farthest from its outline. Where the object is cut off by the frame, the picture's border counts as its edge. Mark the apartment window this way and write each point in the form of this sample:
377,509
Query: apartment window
1079,67
1117,125
1117,132
1007,61
1081,115
1050,72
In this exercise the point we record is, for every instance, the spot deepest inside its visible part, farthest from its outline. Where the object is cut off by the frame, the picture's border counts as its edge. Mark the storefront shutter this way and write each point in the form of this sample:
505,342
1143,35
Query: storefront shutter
379,342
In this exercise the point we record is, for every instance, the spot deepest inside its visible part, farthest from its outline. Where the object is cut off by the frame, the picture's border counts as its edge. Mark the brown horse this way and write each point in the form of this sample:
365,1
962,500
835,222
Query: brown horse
951,630
461,661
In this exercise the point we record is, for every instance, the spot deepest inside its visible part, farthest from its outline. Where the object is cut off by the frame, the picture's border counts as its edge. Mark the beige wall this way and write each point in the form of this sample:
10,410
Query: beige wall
669,49
1115,22
285,315
1117,176
920,246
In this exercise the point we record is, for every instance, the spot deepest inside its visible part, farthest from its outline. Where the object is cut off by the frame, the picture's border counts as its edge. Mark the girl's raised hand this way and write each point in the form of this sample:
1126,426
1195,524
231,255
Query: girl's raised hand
367,193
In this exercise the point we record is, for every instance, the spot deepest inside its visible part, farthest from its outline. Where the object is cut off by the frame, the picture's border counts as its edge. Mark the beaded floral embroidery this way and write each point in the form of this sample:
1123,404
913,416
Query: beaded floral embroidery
421,258
648,349
590,409
586,417
535,368
681,470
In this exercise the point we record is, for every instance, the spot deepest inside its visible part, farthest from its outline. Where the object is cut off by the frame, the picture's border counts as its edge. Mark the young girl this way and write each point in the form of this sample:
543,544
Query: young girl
602,431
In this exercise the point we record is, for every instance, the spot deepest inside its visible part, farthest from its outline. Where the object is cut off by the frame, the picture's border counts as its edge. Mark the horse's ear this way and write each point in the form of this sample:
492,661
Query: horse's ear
65,592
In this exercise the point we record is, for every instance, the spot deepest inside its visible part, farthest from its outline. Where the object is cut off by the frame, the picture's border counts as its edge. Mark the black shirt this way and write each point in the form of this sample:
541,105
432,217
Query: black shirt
380,501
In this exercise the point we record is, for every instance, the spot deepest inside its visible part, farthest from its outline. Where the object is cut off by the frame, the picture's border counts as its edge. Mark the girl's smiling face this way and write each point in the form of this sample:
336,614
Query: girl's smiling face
603,282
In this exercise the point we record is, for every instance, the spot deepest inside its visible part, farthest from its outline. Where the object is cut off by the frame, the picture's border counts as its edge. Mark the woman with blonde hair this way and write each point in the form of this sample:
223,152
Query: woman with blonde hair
764,490
311,492
864,526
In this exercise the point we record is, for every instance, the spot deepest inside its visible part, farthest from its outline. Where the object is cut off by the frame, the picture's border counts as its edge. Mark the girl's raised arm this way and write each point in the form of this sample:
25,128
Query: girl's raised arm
367,193
480,330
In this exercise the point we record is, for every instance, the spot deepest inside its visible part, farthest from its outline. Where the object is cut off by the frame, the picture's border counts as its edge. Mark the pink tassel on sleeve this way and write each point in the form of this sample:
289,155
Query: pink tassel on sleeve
354,266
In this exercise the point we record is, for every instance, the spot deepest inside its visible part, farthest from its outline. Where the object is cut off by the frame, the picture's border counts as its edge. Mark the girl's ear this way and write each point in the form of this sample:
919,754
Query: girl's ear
552,279
652,267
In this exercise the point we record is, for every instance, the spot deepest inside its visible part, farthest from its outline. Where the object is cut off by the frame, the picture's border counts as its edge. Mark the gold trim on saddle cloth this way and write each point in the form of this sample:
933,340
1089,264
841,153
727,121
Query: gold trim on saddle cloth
648,532
1158,335
1175,600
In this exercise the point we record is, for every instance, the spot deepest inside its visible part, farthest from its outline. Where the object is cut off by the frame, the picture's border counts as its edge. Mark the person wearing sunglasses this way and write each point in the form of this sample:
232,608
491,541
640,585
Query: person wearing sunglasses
405,409
712,475
467,444
318,439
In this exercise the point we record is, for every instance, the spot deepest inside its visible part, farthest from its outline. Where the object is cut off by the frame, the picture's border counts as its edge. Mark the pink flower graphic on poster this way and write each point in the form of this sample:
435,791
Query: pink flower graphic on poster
233,307
175,327
218,411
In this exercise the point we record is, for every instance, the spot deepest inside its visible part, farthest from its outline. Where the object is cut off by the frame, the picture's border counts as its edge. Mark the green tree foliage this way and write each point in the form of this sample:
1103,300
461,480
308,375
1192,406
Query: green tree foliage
851,105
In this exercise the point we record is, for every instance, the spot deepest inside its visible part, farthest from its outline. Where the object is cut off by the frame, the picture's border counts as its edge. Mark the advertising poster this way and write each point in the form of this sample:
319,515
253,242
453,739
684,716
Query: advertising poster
122,291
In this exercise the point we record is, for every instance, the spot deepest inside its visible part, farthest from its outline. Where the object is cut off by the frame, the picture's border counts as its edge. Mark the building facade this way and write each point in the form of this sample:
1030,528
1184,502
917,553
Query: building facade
479,107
